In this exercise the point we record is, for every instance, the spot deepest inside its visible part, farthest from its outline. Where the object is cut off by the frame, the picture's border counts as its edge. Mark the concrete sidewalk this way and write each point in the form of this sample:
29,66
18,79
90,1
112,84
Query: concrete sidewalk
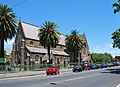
28,73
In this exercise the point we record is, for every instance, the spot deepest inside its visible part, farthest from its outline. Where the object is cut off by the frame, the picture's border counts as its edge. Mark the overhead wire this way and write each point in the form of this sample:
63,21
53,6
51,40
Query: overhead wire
19,3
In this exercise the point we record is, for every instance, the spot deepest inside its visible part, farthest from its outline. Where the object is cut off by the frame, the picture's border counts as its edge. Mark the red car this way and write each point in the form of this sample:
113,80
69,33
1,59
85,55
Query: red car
86,66
51,70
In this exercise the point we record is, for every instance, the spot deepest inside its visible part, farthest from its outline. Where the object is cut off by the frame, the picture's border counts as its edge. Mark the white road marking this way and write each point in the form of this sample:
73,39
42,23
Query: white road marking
67,80
118,85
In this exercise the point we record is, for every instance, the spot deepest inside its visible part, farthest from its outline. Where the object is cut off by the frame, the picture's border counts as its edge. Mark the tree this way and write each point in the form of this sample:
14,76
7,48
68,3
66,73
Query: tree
48,36
116,34
74,43
117,6
100,57
8,26
116,39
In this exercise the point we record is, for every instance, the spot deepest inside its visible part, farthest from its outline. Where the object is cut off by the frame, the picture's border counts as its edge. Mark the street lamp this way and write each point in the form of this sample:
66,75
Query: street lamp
80,56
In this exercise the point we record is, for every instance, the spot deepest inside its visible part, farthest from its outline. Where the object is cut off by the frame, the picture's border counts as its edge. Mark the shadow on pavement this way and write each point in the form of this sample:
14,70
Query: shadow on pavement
58,84
112,71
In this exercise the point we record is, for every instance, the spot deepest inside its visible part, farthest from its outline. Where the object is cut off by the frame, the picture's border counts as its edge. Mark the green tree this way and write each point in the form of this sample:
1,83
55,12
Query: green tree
116,39
95,57
8,26
100,57
116,5
74,43
116,34
48,36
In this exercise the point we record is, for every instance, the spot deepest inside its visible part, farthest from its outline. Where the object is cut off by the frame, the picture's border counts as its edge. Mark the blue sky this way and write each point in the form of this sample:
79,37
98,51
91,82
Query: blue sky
94,18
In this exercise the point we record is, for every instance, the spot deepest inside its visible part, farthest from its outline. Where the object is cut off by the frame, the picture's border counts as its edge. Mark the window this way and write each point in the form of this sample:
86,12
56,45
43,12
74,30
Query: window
36,58
40,44
60,47
31,42
40,60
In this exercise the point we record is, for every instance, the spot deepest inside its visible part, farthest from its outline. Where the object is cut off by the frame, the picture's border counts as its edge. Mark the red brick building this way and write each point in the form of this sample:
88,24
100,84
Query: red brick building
117,58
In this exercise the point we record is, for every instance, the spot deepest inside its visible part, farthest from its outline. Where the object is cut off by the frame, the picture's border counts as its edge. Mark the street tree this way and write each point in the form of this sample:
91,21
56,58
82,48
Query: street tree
8,26
74,43
116,5
116,34
116,39
101,57
48,36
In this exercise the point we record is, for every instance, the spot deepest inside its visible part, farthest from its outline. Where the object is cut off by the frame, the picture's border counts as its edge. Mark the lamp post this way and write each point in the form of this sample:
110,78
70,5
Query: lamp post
80,56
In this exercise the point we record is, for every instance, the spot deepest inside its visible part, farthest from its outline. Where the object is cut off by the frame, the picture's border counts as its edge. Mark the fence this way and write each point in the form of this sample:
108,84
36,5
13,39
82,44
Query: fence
35,67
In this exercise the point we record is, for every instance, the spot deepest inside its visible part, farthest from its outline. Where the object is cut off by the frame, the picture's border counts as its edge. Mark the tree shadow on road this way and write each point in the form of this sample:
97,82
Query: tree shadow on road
112,71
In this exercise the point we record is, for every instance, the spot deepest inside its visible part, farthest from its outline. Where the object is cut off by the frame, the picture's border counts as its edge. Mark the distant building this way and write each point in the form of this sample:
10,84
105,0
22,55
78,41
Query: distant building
117,58
28,50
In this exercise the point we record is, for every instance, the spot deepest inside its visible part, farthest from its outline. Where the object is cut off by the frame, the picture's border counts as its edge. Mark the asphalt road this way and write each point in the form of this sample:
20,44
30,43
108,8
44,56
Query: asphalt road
94,78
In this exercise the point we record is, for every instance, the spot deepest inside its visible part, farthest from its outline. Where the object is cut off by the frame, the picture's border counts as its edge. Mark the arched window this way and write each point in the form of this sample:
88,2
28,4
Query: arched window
60,47
31,42
40,60
39,44
36,58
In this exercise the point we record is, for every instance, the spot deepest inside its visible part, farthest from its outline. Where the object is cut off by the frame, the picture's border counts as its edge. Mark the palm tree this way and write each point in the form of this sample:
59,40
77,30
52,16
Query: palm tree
48,36
74,44
117,6
8,26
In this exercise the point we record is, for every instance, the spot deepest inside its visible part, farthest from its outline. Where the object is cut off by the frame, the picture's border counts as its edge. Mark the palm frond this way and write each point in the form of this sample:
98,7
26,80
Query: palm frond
48,34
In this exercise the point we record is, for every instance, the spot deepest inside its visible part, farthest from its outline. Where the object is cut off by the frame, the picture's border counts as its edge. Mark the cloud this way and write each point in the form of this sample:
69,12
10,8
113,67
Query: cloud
107,48
8,45
10,42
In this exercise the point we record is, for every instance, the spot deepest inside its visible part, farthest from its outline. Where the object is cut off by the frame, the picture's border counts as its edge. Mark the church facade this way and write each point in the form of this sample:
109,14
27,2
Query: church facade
28,50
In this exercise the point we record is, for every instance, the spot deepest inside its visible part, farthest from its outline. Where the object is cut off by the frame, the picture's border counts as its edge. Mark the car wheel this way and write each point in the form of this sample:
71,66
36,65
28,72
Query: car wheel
73,70
47,73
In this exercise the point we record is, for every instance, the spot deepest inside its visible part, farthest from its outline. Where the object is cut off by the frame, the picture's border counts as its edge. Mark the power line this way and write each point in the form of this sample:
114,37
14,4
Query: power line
19,3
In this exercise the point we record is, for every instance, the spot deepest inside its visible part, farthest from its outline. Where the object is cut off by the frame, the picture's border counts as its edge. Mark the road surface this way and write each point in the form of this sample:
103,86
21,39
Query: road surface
93,78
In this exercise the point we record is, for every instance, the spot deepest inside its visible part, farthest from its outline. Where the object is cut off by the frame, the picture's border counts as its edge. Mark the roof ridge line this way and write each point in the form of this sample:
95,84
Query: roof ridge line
30,24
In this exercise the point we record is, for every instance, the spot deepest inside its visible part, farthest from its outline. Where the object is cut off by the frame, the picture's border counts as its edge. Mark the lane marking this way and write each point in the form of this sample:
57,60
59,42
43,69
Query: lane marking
118,85
61,74
67,80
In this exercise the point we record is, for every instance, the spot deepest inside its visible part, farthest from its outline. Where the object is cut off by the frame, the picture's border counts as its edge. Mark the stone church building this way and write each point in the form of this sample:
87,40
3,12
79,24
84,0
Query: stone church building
27,48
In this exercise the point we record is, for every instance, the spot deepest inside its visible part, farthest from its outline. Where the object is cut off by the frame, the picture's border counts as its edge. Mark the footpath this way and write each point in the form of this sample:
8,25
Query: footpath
27,73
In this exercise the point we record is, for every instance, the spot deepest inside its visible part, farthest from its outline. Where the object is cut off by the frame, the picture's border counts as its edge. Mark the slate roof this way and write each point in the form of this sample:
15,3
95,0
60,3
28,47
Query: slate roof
31,31
59,53
36,50
44,51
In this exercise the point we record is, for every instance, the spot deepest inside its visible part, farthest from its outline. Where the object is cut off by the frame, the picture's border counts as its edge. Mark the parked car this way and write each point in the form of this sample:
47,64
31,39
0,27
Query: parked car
77,68
99,65
115,63
110,64
86,66
104,65
93,66
52,70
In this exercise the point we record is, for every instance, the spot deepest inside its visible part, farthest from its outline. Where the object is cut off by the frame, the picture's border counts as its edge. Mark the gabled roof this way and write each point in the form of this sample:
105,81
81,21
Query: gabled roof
31,31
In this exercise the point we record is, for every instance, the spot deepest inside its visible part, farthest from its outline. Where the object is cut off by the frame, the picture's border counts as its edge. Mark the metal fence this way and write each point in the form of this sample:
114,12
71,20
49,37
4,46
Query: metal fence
34,67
